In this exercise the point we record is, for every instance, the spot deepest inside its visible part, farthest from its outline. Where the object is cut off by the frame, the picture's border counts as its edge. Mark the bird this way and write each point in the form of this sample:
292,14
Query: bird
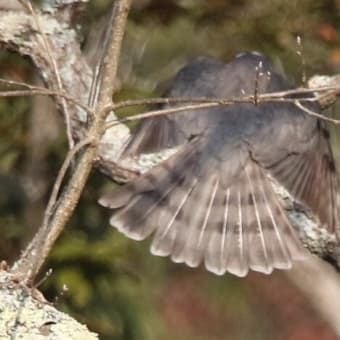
213,201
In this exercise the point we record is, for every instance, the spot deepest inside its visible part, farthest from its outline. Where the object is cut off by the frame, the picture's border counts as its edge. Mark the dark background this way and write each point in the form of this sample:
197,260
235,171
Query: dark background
114,285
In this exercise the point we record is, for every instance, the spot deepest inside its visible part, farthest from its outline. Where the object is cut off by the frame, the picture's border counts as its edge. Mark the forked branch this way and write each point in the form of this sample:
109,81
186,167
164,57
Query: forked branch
35,254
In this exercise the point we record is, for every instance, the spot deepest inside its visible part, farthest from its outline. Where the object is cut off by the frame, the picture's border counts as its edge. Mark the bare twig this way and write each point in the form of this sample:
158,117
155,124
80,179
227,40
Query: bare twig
205,102
60,177
75,73
315,114
300,53
54,67
272,96
258,74
32,90
97,73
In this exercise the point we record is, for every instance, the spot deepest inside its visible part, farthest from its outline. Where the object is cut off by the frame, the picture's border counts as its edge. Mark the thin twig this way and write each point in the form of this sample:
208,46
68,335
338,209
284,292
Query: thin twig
205,102
202,105
162,112
60,177
96,81
300,53
37,90
279,96
258,74
315,114
55,70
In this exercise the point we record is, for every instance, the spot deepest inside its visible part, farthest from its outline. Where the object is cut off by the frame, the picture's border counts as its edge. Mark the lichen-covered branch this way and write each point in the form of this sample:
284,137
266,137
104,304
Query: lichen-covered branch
18,32
23,316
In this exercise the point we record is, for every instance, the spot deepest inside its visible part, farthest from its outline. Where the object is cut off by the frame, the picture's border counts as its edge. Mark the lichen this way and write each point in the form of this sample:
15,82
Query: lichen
22,316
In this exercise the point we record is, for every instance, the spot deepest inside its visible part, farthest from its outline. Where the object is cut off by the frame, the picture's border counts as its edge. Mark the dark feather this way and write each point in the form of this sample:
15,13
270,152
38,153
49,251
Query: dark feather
311,177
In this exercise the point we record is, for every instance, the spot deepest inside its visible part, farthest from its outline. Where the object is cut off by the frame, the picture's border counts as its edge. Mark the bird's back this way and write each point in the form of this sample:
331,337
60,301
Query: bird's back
247,74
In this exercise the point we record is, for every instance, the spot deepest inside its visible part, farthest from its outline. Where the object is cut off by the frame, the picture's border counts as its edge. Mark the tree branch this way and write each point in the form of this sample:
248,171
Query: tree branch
35,254
24,316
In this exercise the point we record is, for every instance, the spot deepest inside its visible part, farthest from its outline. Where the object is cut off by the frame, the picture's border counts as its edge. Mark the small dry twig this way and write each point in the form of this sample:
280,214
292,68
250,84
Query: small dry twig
315,114
300,53
204,103
32,90
60,177
28,5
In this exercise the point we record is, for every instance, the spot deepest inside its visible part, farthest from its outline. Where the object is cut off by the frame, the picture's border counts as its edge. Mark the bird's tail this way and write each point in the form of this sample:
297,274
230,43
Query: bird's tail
194,218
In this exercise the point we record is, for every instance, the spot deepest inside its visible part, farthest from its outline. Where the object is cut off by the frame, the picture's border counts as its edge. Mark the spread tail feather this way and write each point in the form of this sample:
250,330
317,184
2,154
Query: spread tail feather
231,228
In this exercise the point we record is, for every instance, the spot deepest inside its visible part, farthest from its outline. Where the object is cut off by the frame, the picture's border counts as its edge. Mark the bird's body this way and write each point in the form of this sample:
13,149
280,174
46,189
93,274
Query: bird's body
212,201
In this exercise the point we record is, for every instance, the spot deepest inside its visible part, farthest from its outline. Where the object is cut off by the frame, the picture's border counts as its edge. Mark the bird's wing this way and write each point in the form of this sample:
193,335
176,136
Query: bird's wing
152,135
196,79
312,178
231,220
203,77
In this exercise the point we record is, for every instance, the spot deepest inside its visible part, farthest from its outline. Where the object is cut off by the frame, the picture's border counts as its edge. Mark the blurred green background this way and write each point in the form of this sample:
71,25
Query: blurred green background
114,285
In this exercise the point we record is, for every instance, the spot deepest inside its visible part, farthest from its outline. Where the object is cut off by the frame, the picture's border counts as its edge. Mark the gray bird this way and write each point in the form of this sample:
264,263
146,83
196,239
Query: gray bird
213,200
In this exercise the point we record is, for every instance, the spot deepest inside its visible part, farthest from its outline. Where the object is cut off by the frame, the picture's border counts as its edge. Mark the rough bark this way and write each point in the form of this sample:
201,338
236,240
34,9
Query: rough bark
23,316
